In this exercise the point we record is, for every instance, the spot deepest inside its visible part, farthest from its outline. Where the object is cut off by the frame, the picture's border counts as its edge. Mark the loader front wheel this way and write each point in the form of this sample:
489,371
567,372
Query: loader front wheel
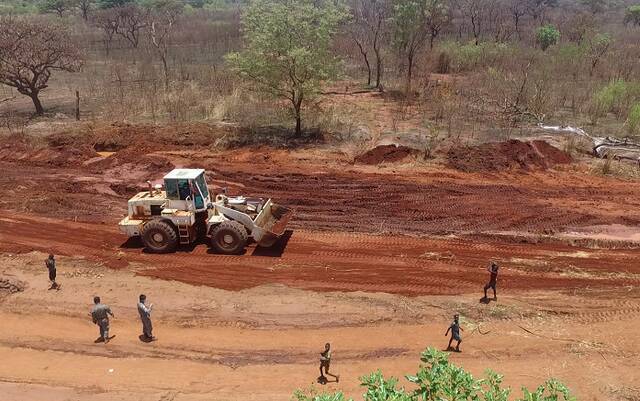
229,238
159,237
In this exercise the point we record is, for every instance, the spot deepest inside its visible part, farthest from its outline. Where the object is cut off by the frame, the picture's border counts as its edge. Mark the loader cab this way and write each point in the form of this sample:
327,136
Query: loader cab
186,189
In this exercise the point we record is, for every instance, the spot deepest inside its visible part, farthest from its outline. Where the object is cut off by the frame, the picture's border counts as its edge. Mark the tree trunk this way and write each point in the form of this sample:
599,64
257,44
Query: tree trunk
166,71
297,106
378,73
36,103
378,70
298,125
409,73
366,61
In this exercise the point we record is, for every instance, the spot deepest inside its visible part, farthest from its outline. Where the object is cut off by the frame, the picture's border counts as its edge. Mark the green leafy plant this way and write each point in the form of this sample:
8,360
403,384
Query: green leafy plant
381,389
438,379
609,99
312,395
633,120
632,15
547,35
551,390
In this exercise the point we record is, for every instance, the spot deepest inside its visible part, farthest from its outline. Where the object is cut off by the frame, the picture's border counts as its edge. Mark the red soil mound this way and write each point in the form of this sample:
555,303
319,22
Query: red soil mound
19,151
512,154
384,153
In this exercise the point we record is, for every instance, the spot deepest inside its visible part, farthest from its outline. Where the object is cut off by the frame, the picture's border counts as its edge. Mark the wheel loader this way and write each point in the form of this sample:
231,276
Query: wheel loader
182,211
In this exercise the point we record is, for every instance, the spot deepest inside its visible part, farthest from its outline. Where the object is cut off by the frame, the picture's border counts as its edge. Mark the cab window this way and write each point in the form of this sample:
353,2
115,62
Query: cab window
202,185
171,187
184,189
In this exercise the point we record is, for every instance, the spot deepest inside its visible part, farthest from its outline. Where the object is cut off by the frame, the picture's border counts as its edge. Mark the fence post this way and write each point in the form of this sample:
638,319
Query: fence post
77,105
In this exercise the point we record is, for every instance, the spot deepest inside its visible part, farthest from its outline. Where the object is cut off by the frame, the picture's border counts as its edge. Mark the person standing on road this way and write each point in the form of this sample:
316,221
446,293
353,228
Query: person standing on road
50,262
455,333
100,315
493,280
325,363
145,317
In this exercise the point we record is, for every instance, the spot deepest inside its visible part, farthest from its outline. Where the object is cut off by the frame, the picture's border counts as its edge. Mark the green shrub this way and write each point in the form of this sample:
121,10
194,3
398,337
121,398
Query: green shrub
547,35
439,380
610,98
632,15
462,57
633,120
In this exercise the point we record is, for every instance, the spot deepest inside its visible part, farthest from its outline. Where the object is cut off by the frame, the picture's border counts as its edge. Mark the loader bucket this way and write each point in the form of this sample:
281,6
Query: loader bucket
272,222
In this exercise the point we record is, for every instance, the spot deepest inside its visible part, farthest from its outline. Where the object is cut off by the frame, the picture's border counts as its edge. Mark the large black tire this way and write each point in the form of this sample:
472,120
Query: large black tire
159,236
229,238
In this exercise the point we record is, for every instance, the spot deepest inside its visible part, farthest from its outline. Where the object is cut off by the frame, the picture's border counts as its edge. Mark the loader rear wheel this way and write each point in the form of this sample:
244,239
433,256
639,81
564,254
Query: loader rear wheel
159,237
229,238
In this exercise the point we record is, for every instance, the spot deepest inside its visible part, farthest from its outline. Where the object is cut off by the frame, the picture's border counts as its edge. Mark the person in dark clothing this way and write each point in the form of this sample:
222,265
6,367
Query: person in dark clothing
455,333
493,280
325,363
50,263
100,315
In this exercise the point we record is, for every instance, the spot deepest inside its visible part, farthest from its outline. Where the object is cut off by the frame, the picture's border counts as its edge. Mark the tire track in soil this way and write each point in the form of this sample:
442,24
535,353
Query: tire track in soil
331,261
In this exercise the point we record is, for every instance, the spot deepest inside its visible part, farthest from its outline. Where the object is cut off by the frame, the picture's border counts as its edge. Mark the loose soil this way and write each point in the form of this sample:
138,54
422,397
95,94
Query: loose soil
512,154
376,260
385,154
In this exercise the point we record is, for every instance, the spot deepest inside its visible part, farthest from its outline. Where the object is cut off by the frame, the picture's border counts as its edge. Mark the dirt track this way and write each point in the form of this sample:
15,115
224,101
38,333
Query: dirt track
363,239
340,262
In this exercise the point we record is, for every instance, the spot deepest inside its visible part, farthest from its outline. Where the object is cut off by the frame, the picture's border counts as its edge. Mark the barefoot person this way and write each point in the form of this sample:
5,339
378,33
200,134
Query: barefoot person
455,333
493,280
145,317
50,262
100,315
325,363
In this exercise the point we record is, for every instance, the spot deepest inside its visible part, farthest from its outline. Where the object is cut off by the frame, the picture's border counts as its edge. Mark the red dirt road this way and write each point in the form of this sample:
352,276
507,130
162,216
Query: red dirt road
341,261
355,228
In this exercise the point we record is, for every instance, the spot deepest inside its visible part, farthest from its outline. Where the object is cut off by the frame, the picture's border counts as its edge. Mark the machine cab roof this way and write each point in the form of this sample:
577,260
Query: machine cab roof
184,174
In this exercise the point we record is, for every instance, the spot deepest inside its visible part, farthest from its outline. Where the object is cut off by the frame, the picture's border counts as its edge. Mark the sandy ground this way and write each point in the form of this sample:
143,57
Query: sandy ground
378,260
262,343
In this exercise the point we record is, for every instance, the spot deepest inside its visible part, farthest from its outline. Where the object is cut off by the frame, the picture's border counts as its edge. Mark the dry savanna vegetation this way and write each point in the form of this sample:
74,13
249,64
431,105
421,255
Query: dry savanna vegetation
453,66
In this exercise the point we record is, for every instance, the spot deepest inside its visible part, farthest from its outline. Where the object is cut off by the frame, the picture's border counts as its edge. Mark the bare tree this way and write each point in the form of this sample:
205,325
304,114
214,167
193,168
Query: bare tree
85,6
58,7
131,20
438,15
107,20
367,30
30,52
358,32
497,17
162,20
410,32
473,12
538,8
518,10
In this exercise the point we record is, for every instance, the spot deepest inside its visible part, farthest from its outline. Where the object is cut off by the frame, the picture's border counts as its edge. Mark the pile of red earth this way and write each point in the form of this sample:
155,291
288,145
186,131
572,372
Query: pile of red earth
508,155
385,153
53,154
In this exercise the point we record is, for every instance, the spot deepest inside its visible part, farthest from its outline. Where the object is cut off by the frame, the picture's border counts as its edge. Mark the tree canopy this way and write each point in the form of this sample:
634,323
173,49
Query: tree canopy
30,52
287,48
547,35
